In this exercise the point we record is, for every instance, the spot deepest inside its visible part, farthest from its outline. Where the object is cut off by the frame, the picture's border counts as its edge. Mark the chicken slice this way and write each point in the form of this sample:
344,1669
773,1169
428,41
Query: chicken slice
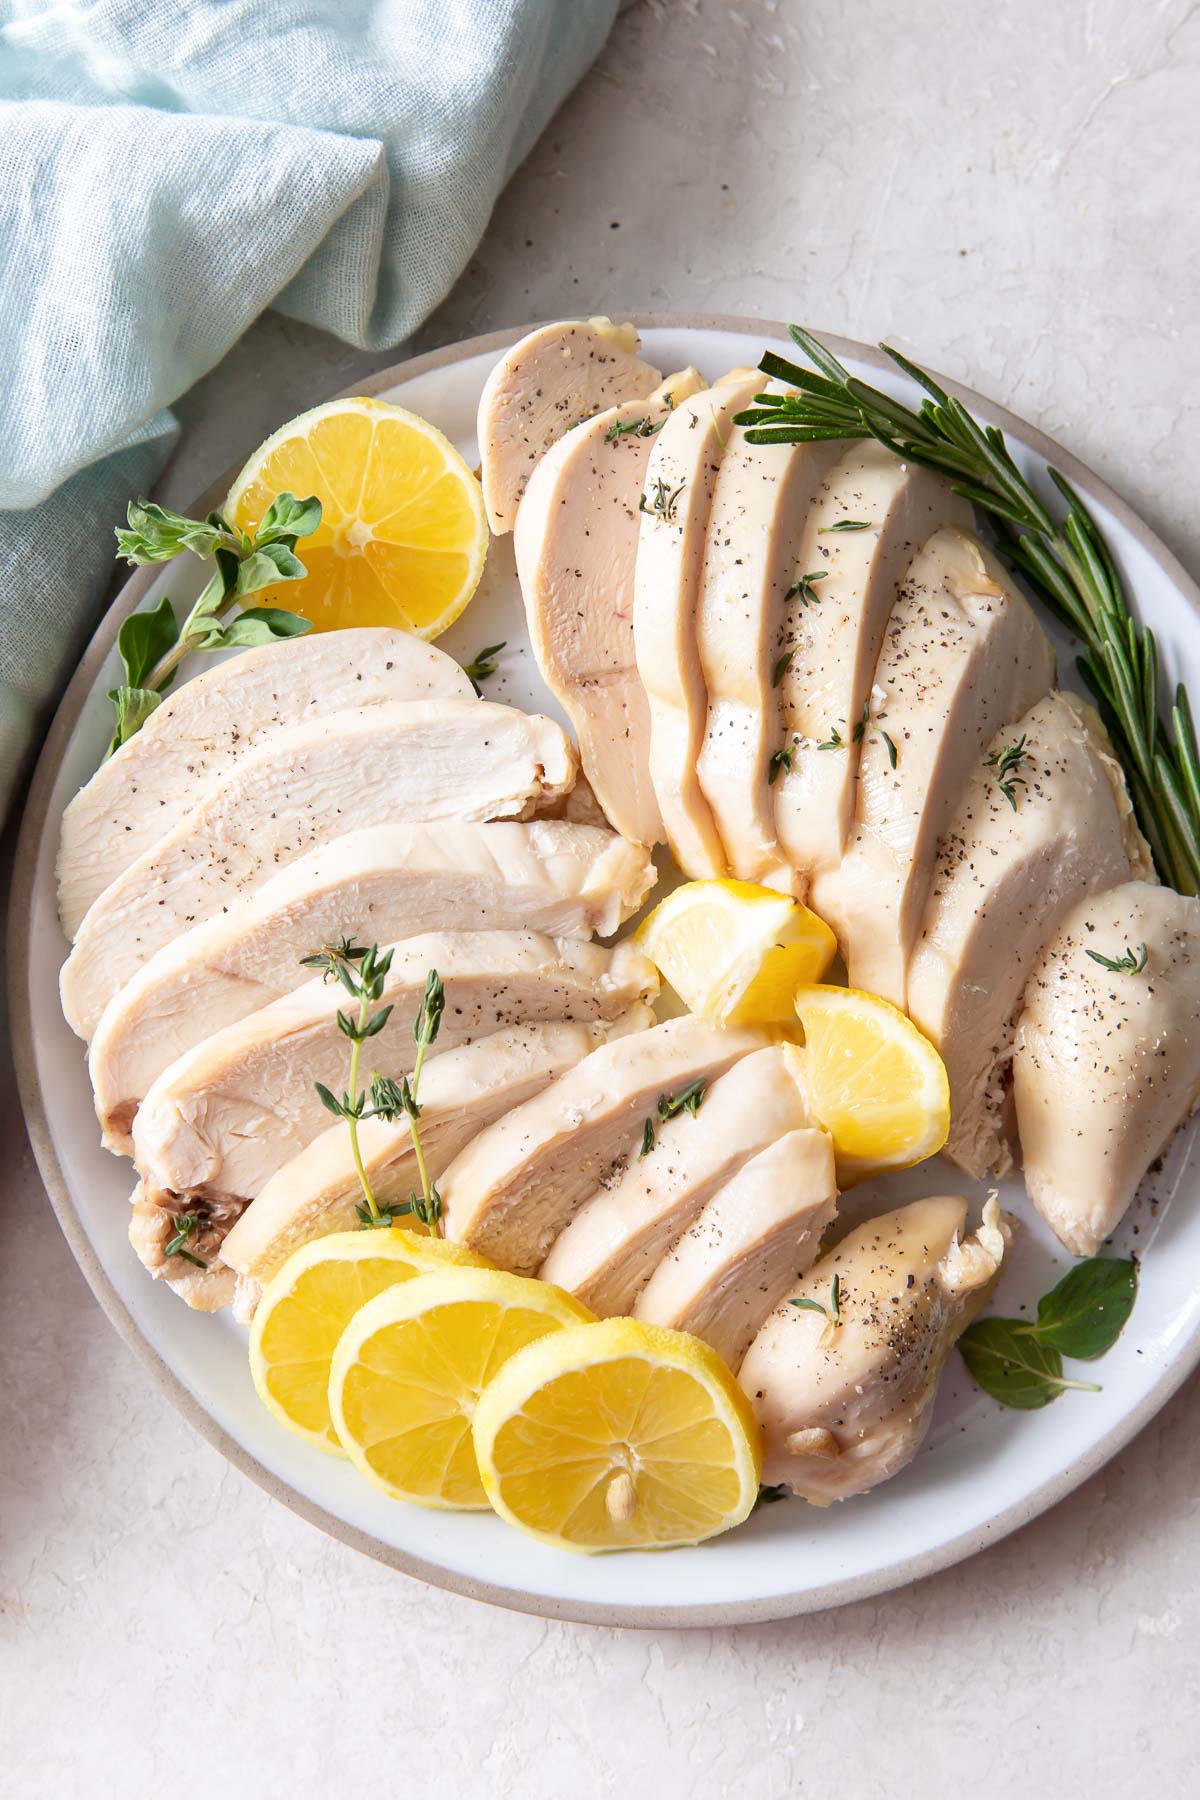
963,655
378,886
461,1092
390,764
1107,1061
200,731
1006,875
761,500
204,1284
845,1397
227,1114
619,1235
685,457
576,544
757,1234
519,1183
846,583
552,379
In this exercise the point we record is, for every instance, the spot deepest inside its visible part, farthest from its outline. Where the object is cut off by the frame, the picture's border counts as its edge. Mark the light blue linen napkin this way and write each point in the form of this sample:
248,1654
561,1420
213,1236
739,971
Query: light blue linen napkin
170,168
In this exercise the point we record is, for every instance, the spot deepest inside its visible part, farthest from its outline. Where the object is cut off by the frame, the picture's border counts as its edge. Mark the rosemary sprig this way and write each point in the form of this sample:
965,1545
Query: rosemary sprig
1007,764
152,644
1132,963
483,664
362,972
1061,551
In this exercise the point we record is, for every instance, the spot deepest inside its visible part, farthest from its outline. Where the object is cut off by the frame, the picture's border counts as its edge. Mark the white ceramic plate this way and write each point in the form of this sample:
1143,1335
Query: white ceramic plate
983,1472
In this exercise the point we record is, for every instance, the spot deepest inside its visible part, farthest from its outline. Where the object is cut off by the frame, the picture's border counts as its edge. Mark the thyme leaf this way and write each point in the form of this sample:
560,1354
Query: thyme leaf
782,759
663,501
1132,963
482,665
803,588
1007,764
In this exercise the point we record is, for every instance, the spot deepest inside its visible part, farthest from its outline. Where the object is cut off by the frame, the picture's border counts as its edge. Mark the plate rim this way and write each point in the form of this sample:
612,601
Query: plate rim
33,822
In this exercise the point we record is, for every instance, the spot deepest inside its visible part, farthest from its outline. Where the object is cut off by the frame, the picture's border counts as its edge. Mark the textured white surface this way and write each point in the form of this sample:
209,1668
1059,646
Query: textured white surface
1013,204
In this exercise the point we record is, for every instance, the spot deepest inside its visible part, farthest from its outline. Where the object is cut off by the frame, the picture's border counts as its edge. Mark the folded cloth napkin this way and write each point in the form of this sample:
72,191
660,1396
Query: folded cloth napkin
169,170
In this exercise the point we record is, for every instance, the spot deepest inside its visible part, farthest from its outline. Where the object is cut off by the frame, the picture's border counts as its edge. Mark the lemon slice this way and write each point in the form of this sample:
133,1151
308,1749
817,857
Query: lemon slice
410,1366
308,1303
403,535
735,952
872,1080
618,1436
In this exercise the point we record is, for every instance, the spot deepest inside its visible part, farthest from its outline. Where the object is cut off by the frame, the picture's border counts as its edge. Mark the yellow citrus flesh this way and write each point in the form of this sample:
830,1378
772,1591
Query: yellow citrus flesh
872,1080
735,952
618,1436
410,1366
307,1304
403,534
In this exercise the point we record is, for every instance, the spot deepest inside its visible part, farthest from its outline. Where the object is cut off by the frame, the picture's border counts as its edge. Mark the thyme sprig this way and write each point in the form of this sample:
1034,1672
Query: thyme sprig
483,664
1007,763
833,1311
662,501
362,971
152,644
1061,550
638,428
689,1099
804,588
176,1245
1132,963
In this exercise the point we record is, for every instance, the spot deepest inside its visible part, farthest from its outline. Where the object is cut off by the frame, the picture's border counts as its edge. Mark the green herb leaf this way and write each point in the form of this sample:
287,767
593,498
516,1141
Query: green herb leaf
1011,1365
782,759
807,1305
647,1139
267,566
688,1099
1132,963
133,707
483,665
144,639
846,525
288,517
783,665
260,625
1085,1314
768,1495
662,500
804,588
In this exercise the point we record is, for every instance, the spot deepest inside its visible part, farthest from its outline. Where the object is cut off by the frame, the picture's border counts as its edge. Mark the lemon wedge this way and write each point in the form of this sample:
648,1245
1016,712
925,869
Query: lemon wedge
308,1303
618,1436
410,1366
735,952
872,1080
403,534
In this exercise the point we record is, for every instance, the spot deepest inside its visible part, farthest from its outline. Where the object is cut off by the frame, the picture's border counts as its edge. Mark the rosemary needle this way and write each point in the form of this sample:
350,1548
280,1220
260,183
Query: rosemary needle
1059,547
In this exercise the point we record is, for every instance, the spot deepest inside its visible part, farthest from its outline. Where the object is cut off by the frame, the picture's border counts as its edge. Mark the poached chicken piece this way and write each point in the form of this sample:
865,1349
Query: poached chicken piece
200,731
870,517
461,1091
684,460
389,764
761,500
845,1395
962,656
619,1235
226,1115
382,886
576,543
1107,1061
1008,870
552,379
519,1183
737,1260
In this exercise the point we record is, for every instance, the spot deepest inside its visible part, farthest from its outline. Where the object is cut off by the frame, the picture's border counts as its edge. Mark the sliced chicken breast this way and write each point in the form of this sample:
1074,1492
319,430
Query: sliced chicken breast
684,459
620,1234
576,543
210,723
390,764
962,656
377,886
1005,877
1107,1061
552,379
870,517
757,1234
462,1091
761,500
520,1182
229,1113
845,1395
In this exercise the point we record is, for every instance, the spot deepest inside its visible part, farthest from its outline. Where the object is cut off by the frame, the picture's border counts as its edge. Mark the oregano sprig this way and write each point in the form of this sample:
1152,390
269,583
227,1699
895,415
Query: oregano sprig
152,644
1019,1361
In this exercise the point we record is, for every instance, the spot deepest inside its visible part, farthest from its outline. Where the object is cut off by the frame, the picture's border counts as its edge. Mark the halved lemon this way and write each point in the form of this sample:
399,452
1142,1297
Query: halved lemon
618,1436
735,952
403,535
411,1365
872,1080
308,1303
